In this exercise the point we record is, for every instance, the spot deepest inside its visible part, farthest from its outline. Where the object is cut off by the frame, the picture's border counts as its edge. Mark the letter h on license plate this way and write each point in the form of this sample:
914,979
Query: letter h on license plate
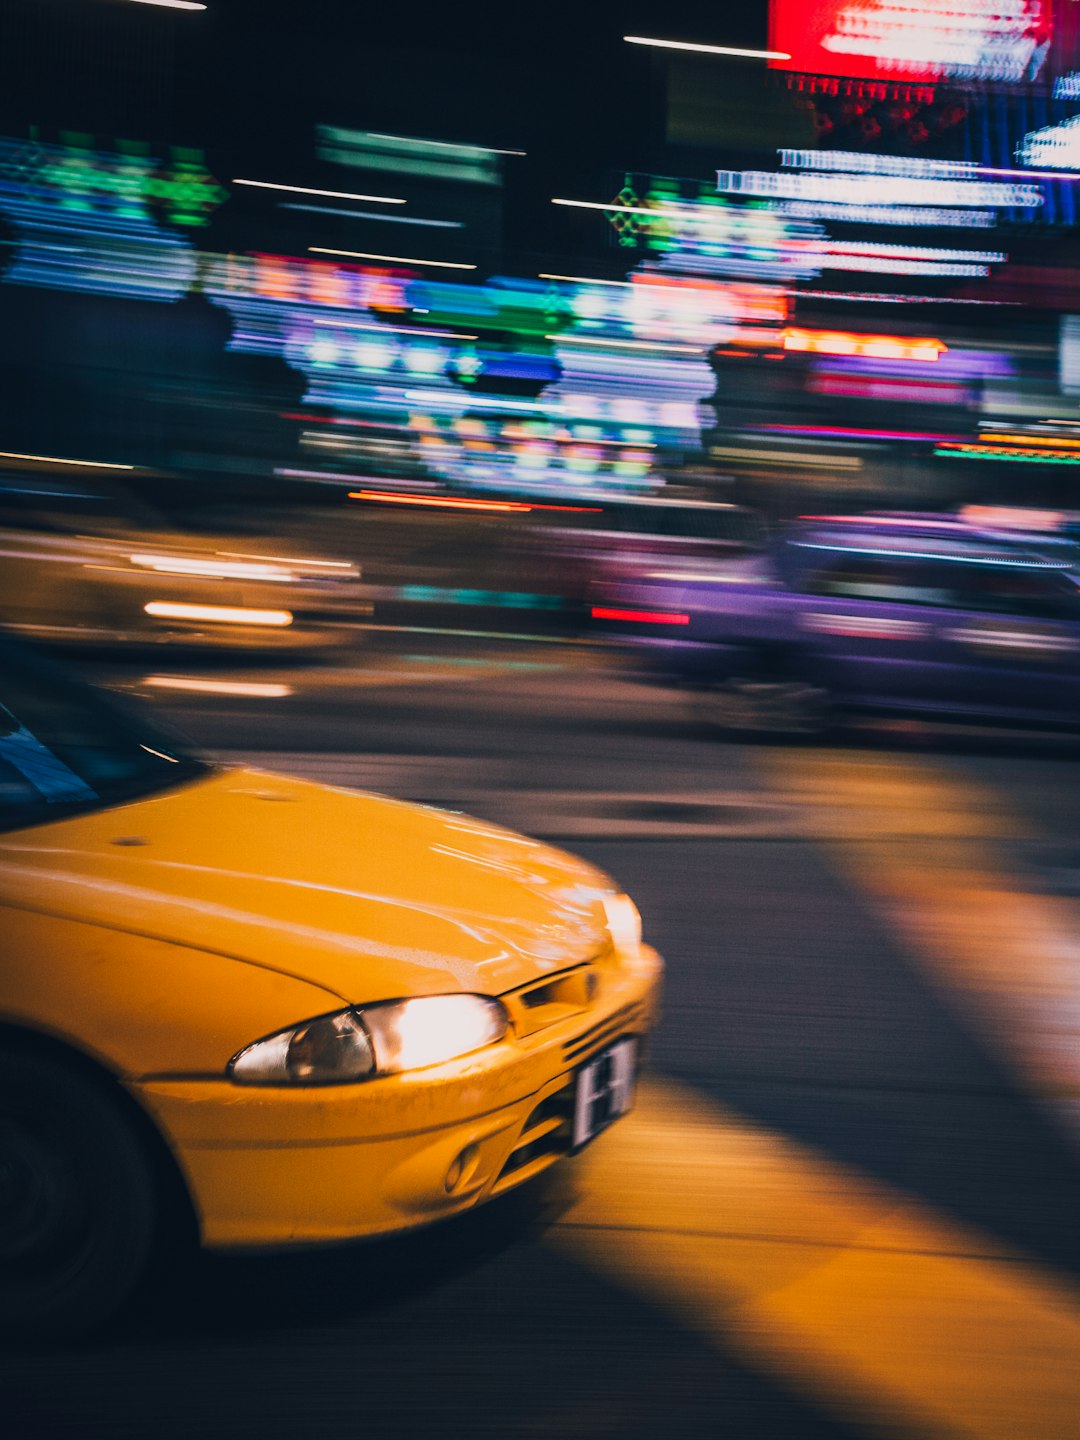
605,1090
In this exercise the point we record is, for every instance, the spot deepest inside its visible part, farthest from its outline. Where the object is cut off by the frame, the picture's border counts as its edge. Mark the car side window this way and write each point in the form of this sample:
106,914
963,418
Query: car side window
1031,593
889,579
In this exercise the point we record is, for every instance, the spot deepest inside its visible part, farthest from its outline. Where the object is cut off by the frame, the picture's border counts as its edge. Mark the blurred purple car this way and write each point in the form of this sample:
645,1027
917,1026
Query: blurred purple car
881,612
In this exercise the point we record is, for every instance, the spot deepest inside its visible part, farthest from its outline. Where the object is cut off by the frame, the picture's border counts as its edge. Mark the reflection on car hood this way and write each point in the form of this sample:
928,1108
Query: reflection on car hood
369,897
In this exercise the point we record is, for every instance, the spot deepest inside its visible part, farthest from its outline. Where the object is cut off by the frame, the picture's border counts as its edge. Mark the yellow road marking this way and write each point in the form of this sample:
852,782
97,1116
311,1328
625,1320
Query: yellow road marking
884,1312
919,842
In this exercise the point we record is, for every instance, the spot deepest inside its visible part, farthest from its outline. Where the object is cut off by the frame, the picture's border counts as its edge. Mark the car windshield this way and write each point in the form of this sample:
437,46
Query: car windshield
66,747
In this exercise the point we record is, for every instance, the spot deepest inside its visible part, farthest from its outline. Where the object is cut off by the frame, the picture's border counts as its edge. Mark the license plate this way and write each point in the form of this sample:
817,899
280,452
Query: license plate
604,1090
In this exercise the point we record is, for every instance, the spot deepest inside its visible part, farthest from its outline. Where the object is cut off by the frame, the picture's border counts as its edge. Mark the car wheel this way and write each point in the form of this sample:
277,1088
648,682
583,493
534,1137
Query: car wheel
78,1211
785,706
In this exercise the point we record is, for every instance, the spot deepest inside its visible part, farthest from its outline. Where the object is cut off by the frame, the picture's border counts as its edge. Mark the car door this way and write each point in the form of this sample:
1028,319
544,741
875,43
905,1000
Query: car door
873,621
1013,640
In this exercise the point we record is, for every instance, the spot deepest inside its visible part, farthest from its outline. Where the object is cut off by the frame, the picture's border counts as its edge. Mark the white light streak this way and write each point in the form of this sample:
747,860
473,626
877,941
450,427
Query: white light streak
218,614
254,689
707,49
372,215
326,194
170,4
442,144
60,460
655,212
214,569
585,279
392,259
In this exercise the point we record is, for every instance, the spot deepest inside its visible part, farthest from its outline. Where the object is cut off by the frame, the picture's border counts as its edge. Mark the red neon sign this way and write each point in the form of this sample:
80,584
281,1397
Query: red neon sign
920,40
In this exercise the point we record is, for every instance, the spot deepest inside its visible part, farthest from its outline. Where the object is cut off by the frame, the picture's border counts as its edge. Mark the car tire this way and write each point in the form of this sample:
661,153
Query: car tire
784,707
78,1199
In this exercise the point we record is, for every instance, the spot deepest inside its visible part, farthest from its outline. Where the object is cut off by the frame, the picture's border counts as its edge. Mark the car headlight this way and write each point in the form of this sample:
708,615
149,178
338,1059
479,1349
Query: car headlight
373,1040
623,922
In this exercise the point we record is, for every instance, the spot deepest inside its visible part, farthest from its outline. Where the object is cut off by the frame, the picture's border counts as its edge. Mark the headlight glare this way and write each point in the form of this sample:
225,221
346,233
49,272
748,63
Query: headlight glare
331,1050
623,922
374,1040
410,1034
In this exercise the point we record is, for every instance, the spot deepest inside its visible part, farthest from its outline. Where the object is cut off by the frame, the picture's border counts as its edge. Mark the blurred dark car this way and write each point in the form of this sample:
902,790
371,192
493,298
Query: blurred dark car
532,564
881,612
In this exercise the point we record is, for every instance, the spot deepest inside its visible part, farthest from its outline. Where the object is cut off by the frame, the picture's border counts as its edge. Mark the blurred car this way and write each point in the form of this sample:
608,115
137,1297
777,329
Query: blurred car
85,562
925,614
529,563
585,546
291,1013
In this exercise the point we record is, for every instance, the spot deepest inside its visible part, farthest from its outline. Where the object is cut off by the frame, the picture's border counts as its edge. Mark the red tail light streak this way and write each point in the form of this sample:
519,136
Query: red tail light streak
641,617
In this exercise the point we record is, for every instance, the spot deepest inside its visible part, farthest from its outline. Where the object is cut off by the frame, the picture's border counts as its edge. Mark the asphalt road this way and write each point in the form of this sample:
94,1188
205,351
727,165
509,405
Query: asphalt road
847,1201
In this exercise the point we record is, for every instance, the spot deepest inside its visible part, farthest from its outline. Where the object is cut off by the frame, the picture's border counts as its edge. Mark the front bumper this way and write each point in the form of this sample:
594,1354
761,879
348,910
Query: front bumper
270,1167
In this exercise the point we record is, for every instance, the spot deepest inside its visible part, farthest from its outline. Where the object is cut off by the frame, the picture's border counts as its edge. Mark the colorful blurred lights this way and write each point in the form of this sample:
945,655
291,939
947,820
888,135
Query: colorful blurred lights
877,347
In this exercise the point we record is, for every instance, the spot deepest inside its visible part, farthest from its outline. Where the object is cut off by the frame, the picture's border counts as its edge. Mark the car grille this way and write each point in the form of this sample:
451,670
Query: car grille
627,1020
545,1136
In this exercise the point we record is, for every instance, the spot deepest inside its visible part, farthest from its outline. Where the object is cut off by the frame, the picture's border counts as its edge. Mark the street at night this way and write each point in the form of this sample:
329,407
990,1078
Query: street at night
845,1202
539,720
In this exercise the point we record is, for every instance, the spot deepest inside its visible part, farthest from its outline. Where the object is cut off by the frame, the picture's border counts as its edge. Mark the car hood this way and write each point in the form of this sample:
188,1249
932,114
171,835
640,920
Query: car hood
368,897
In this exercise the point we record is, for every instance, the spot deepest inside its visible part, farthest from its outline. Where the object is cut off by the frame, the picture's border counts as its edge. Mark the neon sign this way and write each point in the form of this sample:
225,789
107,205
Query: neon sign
876,189
123,185
1057,146
915,40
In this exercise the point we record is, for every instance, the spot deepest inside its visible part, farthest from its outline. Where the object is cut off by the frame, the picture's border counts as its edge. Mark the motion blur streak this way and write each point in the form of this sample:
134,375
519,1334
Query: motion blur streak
586,280
217,614
393,259
62,460
1011,955
654,211
878,347
642,617
329,194
442,144
626,344
707,49
444,502
247,689
372,215
170,4
212,569
882,1309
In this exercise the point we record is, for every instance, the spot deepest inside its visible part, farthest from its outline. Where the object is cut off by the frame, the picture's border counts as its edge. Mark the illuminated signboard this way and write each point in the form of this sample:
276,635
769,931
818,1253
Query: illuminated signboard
862,189
927,40
1055,146
406,155
120,185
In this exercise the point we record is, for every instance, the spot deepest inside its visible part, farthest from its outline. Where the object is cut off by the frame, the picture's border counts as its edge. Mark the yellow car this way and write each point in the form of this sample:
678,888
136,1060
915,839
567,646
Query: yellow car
284,1012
